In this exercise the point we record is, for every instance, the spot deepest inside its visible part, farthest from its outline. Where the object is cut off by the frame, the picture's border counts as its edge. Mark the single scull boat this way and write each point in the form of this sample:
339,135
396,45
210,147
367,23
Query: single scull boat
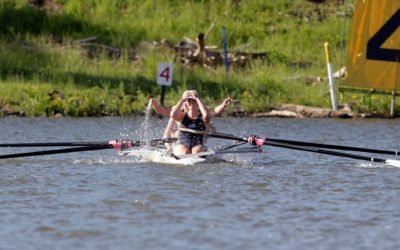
155,154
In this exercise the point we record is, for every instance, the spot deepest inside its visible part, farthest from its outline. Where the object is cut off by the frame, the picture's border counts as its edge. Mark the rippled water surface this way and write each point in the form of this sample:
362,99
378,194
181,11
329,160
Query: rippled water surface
279,199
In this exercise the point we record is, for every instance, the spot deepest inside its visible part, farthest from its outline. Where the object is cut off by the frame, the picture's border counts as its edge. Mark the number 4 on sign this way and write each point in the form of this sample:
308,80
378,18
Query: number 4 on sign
165,73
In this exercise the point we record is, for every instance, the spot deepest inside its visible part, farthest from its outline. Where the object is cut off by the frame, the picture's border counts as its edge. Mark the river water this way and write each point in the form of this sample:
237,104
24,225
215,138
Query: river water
278,199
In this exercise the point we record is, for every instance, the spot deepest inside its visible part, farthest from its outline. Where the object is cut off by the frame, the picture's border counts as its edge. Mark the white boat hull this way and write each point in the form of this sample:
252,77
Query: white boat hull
160,156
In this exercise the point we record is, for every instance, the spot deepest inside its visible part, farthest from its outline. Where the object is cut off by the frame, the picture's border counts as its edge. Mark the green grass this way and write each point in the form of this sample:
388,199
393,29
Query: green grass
37,54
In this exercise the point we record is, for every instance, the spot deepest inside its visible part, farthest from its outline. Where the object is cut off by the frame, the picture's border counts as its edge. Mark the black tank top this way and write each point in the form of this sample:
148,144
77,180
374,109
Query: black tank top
191,139
197,124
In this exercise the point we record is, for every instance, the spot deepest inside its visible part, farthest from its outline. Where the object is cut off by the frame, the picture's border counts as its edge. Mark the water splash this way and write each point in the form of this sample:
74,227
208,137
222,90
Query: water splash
146,125
108,161
371,165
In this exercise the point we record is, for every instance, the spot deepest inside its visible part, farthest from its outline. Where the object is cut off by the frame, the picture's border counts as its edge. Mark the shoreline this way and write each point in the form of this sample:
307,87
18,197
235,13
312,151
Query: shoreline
292,111
301,111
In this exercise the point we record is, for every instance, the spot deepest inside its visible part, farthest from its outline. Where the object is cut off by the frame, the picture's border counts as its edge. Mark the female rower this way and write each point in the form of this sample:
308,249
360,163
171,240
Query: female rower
171,129
195,118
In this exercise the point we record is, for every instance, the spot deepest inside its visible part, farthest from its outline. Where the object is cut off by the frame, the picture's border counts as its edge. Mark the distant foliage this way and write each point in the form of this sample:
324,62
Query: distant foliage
40,51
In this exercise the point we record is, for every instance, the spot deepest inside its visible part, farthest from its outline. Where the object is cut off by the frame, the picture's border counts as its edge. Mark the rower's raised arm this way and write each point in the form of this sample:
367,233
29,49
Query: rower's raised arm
218,110
205,112
164,111
176,111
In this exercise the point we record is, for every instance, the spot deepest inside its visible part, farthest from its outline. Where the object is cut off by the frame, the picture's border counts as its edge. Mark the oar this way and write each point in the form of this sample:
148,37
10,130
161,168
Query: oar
80,144
56,151
99,146
390,162
52,144
338,147
310,144
260,141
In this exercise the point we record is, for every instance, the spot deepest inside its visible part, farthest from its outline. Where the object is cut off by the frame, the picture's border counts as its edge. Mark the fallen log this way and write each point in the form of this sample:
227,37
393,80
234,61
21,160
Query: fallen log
278,113
301,111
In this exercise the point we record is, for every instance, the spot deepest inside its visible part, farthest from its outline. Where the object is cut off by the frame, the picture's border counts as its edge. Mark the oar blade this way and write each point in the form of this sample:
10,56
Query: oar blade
393,163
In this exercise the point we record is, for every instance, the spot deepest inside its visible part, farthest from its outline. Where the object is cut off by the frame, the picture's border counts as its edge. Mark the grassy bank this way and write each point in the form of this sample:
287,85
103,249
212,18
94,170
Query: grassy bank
38,54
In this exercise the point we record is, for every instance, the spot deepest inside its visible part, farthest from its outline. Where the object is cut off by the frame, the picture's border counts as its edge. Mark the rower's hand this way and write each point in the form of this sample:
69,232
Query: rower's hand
227,102
186,94
194,93
153,102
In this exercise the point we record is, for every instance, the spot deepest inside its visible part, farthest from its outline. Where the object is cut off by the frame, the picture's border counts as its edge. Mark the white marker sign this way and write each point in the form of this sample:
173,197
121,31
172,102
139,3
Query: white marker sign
165,73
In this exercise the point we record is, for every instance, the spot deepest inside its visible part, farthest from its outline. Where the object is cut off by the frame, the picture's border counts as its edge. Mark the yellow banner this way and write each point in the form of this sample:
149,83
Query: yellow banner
374,49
